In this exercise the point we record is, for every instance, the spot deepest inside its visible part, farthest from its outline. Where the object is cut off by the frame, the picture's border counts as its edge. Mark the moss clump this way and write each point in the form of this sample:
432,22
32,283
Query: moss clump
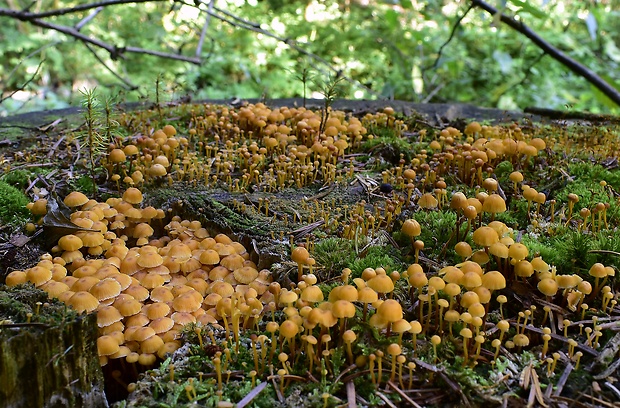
12,204
20,300
377,256
334,254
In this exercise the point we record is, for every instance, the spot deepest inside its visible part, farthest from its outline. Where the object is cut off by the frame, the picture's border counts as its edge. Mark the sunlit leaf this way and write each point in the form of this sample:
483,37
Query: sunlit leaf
592,26
504,60
529,8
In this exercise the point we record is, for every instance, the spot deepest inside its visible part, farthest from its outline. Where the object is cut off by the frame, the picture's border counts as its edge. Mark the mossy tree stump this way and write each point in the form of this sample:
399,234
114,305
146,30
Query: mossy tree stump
50,365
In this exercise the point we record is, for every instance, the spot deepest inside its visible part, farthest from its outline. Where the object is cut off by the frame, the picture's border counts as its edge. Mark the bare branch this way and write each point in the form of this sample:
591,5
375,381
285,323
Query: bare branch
205,27
554,53
126,83
24,85
88,18
115,52
456,25
248,25
25,15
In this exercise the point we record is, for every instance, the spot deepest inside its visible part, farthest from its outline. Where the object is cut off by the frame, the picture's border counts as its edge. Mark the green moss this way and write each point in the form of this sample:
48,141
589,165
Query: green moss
333,254
438,228
83,184
377,256
16,302
12,204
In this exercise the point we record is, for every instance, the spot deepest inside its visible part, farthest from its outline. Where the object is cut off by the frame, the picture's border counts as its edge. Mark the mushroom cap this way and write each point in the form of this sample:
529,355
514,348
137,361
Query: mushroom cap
187,302
463,249
390,310
300,255
52,288
157,170
394,349
162,324
91,239
70,242
132,195
289,329
524,269
598,270
323,317
75,199
469,298
152,344
411,228
381,284
348,336
521,340
179,252
567,281
428,201
232,262
485,236
458,201
83,302
38,275
452,289
499,250
516,177
343,309
367,295
471,280
16,278
344,292
149,259
548,287
107,345
494,204
107,315
401,326
142,230
245,275
209,257
452,274
117,156
106,289
518,251
493,280
466,333
312,294
418,279
476,310
128,307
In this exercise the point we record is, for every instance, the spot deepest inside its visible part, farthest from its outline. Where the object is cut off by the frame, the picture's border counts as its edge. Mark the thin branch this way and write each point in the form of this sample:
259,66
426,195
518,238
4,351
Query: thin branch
25,84
553,52
455,27
205,27
88,18
126,83
247,25
527,71
25,15
115,52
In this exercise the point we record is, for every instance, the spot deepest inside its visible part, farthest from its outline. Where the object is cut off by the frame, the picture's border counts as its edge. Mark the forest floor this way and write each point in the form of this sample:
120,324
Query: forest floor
349,206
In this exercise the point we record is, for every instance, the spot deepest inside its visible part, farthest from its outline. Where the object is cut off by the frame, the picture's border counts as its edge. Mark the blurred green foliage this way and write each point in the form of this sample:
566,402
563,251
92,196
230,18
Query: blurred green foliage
389,49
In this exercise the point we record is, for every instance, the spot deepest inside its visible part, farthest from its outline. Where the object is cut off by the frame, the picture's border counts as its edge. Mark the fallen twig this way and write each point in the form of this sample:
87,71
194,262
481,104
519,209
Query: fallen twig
351,396
251,395
403,395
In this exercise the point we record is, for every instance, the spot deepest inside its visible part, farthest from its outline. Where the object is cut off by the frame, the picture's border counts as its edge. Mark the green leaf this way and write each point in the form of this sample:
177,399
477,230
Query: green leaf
528,8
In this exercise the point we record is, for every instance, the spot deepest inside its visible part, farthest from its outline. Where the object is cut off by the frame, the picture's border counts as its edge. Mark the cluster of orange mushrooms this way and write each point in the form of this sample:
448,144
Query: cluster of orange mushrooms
144,289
